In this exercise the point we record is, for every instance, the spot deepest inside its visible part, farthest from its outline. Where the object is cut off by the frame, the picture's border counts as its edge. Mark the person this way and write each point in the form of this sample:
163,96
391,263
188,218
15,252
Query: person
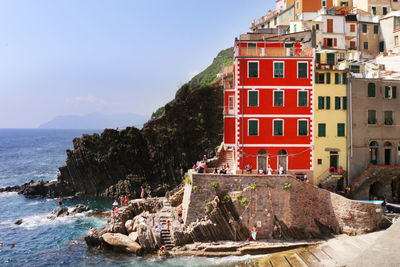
168,224
162,251
248,168
215,170
205,159
167,195
126,200
227,170
12,245
92,231
142,192
149,194
222,171
280,170
180,211
254,232
116,212
269,170
260,171
122,201
115,204
60,201
202,168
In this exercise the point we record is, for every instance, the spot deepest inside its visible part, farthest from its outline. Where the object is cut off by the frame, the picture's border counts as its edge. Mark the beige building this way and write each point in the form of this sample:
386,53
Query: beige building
374,7
275,19
368,31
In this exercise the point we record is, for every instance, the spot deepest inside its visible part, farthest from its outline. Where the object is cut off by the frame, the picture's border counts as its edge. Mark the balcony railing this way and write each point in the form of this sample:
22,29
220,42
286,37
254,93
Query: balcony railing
273,52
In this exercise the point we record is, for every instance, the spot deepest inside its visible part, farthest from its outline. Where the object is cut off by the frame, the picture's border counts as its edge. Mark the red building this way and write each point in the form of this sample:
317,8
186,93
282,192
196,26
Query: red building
268,118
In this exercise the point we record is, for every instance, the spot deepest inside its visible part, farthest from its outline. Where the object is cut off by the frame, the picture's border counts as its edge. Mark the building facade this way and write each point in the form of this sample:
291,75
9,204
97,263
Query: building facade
272,122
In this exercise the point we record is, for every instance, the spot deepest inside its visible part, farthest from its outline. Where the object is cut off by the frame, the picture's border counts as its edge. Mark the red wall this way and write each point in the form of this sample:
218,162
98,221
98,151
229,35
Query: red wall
229,130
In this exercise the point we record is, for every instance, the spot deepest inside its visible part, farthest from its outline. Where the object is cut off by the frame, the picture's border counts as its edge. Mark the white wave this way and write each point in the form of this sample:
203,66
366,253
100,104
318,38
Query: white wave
8,194
217,261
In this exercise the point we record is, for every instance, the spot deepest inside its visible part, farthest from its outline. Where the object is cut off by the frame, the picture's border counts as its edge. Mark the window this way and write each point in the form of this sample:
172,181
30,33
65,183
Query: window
364,28
321,129
384,10
278,127
253,99
329,25
328,78
324,102
352,28
388,114
302,128
344,80
355,68
251,45
340,129
230,104
366,45
352,45
275,21
302,99
373,9
376,29
278,69
340,102
295,28
323,3
371,90
317,26
390,92
329,42
373,152
318,59
253,69
330,58
302,70
253,127
297,5
320,77
337,78
278,98
371,116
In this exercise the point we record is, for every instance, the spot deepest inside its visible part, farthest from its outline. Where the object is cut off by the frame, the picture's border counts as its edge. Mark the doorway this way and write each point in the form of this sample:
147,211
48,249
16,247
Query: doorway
283,160
334,160
388,153
262,160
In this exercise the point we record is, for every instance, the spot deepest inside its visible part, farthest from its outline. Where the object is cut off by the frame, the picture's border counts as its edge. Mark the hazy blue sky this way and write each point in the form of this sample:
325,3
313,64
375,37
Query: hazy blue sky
70,57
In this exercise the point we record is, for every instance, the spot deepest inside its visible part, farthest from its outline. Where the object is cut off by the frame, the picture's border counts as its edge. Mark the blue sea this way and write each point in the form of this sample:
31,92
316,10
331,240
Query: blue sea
35,154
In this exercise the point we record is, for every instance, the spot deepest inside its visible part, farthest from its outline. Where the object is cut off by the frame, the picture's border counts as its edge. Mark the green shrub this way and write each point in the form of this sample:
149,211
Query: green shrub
226,198
243,201
187,179
253,186
197,188
287,186
215,186
238,197
208,203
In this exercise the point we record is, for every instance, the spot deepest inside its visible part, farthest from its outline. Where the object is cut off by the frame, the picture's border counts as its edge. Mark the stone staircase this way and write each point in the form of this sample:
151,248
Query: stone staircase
225,158
165,216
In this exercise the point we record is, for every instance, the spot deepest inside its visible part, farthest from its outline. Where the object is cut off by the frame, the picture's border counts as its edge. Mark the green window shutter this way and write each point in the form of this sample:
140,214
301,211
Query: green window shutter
318,58
340,129
371,90
328,78
302,70
371,116
394,93
330,58
303,131
337,102
253,98
387,91
344,102
278,128
321,102
328,102
302,101
321,129
344,80
337,78
253,128
253,69
278,69
316,77
278,99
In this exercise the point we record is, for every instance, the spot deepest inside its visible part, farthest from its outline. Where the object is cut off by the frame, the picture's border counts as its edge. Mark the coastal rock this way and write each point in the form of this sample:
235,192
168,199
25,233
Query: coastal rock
122,242
79,208
129,226
58,212
18,222
177,198
134,236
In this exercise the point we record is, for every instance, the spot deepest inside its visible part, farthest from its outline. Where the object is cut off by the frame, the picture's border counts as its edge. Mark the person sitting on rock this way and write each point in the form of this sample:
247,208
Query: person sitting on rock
122,199
115,204
162,251
227,170
60,201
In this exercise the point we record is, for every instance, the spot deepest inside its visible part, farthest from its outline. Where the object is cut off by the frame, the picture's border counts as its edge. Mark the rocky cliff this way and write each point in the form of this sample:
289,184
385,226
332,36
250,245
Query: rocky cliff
119,162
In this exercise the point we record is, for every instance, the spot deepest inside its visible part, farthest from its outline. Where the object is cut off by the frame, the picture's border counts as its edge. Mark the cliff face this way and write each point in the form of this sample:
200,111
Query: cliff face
119,162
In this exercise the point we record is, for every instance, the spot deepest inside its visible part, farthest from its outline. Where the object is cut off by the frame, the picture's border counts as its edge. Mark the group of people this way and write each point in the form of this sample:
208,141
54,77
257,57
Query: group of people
143,192
2,245
268,171
201,166
224,170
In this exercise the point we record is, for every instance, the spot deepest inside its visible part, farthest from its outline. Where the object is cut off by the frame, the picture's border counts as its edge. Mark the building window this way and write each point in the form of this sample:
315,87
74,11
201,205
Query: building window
344,78
278,69
355,68
373,152
366,45
373,9
352,45
390,92
384,10
297,5
337,78
302,99
364,28
352,28
318,59
295,28
324,102
253,99
340,129
323,3
253,127
321,129
317,27
278,98
340,102
230,104
253,69
376,29
302,128
275,21
371,116
302,70
371,90
278,127
388,114
320,78
329,25
251,45
330,59
328,78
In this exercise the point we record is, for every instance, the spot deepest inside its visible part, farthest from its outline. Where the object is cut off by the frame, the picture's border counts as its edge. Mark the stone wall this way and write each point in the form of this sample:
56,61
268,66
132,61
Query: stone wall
303,211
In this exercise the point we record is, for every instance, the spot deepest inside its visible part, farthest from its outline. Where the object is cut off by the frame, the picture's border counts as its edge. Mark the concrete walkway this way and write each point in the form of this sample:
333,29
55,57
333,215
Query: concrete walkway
374,249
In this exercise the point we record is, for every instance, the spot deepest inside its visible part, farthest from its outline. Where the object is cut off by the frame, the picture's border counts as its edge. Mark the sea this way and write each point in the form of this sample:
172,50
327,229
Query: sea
36,154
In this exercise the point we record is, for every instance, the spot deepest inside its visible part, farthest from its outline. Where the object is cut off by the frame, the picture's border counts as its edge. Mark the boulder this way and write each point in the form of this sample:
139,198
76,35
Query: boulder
129,226
134,236
79,208
58,212
122,243
18,222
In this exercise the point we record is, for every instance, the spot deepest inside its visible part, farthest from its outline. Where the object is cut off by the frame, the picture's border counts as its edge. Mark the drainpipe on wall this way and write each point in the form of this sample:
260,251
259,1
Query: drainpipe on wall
350,127
242,106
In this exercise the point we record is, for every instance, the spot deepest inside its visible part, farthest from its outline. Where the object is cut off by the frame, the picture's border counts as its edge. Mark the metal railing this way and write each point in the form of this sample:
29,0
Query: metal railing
273,52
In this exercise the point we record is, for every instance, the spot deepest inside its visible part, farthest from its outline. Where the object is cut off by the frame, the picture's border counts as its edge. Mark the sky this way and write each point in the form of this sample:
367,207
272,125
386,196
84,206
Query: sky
75,57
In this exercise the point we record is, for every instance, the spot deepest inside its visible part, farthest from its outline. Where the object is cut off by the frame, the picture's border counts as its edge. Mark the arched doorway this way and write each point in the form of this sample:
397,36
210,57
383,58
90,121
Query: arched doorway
262,159
373,153
283,160
388,153
376,191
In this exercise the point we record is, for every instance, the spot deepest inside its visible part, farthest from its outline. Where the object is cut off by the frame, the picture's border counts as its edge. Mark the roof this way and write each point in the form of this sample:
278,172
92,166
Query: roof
391,14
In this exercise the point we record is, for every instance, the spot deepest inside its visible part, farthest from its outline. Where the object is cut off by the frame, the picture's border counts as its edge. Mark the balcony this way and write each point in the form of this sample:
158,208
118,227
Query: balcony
273,52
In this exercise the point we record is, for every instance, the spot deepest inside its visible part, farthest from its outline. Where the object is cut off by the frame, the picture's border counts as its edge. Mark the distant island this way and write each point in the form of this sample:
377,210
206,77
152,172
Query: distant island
95,121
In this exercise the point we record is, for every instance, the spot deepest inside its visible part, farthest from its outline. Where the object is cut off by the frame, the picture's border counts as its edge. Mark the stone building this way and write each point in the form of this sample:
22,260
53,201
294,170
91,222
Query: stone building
374,132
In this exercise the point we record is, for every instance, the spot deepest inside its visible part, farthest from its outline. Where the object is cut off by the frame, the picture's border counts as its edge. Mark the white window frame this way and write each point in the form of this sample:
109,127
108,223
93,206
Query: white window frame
273,73
248,69
248,98
298,127
323,3
273,98
248,127
298,98
298,69
273,127
231,108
